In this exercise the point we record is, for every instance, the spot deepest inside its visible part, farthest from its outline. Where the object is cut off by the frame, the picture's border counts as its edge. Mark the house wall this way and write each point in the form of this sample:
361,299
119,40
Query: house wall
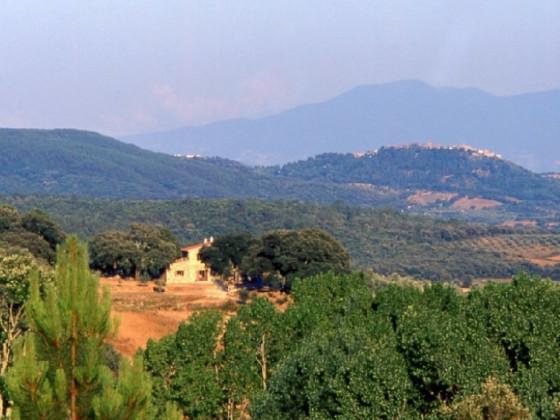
188,269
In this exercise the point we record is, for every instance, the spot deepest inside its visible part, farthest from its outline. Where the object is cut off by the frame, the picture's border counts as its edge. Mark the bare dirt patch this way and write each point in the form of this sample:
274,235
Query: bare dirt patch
520,223
429,197
145,314
546,261
476,203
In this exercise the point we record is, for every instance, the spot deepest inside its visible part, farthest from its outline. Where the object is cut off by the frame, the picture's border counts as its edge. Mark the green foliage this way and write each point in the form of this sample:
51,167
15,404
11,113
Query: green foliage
384,241
495,401
226,254
34,232
40,223
59,369
287,255
10,218
338,360
16,271
142,251
349,372
432,169
522,318
349,348
184,367
87,164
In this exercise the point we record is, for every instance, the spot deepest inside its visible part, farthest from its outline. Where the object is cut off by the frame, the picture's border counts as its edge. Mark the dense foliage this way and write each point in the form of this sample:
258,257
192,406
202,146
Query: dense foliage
143,251
348,346
284,255
60,368
382,240
343,349
464,171
278,256
226,254
88,164
34,232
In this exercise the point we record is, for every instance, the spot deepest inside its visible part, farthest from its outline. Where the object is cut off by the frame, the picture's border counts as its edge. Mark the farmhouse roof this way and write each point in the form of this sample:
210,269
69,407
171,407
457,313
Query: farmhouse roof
207,242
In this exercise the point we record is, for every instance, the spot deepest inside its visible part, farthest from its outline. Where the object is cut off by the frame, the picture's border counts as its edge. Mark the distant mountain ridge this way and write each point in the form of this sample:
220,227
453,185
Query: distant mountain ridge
523,128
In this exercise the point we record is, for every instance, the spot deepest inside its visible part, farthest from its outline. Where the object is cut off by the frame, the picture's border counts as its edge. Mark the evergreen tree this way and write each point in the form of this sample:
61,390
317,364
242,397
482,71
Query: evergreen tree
60,370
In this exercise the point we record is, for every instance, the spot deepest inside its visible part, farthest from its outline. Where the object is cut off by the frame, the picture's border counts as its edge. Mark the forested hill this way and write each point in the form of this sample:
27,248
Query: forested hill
442,181
457,169
89,164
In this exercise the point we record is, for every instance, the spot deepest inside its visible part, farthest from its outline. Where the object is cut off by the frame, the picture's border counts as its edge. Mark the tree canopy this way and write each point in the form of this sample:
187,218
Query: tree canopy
142,251
284,255
60,370
35,232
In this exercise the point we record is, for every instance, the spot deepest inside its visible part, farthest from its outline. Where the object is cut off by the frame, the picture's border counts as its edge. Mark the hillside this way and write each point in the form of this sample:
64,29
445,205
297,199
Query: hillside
439,181
523,128
86,163
457,170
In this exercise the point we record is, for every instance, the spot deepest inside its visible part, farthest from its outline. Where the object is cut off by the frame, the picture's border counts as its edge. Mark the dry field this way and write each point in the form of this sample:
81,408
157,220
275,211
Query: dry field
475,203
145,314
542,250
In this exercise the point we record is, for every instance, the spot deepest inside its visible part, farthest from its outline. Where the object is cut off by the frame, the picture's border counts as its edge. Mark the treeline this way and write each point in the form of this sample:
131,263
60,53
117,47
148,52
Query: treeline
347,346
344,350
385,241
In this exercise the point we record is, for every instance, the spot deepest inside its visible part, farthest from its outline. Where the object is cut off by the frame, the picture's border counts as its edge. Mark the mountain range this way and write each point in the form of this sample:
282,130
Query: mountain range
460,182
524,128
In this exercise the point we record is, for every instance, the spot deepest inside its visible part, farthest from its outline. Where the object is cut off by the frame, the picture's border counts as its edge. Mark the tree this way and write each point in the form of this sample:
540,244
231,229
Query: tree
15,273
341,361
9,218
239,375
34,231
143,251
226,254
40,223
113,253
31,242
284,255
495,401
521,318
185,365
59,369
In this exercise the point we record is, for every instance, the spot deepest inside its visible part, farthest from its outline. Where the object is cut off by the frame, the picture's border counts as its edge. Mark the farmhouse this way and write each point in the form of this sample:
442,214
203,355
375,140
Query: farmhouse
189,268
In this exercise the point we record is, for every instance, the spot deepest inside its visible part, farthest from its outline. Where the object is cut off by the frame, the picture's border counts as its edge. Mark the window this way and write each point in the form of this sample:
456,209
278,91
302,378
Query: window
179,273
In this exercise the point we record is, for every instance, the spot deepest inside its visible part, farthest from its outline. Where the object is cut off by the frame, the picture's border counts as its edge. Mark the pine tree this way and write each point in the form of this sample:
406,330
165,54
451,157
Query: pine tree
60,371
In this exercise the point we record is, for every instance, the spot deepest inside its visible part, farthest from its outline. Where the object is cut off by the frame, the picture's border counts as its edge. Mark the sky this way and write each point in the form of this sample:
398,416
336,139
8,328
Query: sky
133,66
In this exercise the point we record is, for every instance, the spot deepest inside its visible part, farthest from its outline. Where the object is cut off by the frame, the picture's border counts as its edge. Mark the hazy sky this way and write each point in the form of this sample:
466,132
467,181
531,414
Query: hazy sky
124,67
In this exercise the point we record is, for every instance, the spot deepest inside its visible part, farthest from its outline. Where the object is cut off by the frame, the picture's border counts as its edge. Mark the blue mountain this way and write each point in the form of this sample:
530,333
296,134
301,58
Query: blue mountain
523,128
